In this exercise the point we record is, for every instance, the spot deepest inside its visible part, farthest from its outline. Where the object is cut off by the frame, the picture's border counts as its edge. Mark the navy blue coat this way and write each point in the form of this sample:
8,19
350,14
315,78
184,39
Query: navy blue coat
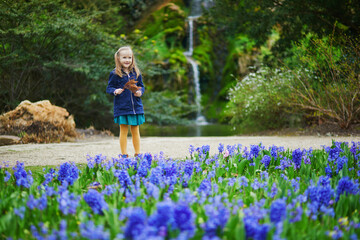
125,103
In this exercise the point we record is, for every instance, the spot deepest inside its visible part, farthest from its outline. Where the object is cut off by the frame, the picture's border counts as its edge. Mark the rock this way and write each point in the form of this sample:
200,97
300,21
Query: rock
91,131
9,140
39,122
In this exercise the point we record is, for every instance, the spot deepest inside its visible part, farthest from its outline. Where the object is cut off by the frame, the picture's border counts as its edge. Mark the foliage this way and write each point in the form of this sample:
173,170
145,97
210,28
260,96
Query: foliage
260,101
115,16
167,108
164,30
209,52
169,19
330,88
241,55
241,192
293,18
232,62
63,51
51,52
204,48
328,81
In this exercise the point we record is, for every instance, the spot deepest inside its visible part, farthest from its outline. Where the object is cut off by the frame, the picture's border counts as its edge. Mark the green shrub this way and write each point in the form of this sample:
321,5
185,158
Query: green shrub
167,108
259,101
331,87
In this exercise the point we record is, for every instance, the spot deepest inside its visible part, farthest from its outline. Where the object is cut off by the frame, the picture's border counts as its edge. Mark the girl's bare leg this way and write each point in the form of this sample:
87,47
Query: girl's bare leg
135,132
124,129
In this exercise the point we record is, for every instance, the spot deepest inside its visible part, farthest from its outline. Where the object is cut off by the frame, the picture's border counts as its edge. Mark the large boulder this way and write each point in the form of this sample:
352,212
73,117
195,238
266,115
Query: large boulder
39,122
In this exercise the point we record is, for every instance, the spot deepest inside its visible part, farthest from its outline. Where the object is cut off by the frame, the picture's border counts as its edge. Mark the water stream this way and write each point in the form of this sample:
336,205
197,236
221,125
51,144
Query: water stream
201,127
200,119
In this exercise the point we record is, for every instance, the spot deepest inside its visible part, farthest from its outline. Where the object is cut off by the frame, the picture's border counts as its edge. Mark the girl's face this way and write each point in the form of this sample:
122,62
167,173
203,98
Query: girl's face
126,58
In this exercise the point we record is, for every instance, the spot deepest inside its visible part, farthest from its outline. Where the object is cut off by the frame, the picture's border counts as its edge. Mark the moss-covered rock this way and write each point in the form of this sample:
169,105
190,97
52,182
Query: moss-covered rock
204,49
169,22
165,33
242,54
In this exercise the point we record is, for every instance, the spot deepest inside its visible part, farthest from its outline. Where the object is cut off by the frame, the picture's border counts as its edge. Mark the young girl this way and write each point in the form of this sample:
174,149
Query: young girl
128,108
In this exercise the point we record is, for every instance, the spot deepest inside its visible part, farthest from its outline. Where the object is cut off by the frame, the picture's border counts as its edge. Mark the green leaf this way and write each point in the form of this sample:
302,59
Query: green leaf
241,166
100,178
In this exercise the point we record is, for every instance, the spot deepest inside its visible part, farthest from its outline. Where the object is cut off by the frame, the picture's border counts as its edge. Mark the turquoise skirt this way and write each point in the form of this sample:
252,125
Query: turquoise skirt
134,120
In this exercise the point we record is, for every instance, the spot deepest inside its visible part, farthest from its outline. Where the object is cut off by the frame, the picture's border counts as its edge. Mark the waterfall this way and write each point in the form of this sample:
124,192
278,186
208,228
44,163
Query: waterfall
200,119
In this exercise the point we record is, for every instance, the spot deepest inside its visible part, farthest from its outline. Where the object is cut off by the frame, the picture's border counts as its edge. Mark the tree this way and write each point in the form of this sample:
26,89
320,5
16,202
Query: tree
52,52
62,50
293,18
328,85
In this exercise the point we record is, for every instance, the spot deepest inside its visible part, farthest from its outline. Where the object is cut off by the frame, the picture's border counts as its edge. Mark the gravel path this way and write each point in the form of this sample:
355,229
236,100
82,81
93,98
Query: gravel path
175,147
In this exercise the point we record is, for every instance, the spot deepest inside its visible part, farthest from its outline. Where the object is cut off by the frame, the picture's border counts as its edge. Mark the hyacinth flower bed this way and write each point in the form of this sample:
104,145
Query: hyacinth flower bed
253,192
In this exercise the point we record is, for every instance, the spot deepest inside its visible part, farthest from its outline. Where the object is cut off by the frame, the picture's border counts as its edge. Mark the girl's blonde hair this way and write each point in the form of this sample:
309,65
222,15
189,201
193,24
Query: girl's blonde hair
118,66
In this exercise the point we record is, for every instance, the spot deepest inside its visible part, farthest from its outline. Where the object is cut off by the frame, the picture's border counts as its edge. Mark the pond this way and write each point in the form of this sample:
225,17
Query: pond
188,130
208,130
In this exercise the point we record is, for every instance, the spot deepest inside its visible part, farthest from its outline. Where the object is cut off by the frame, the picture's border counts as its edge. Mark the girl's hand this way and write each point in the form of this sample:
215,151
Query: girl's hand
138,93
118,91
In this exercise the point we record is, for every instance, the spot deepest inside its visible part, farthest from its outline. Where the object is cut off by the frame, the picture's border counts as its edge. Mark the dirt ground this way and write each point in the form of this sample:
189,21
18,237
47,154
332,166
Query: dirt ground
174,147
